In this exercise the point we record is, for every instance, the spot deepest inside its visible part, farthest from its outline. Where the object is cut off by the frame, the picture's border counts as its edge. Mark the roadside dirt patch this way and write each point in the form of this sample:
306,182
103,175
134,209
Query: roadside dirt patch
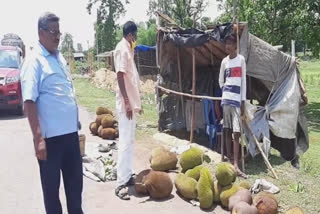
107,79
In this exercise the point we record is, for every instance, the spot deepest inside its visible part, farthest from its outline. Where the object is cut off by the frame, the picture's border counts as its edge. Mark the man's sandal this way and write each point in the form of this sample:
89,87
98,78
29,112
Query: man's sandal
132,180
122,192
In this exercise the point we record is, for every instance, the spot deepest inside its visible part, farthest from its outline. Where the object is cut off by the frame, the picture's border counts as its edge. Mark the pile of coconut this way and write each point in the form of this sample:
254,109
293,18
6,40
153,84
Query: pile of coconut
105,125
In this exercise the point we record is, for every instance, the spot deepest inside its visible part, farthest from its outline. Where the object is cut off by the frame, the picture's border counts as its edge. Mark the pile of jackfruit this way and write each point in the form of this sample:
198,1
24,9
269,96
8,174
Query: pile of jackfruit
156,182
105,125
196,182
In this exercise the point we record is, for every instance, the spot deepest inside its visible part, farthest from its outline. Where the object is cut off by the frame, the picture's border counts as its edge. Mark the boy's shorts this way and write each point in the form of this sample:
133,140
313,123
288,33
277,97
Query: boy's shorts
231,118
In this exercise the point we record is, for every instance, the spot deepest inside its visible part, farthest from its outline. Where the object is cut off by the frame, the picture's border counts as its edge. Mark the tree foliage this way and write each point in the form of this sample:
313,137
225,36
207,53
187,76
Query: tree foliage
147,33
182,11
67,44
278,21
108,11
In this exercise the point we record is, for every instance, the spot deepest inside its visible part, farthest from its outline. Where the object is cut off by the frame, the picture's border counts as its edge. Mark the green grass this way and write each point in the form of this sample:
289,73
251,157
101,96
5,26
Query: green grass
91,97
309,174
310,72
307,178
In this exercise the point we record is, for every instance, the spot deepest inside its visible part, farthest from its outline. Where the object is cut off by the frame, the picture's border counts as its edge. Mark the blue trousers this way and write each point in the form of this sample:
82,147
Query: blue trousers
63,155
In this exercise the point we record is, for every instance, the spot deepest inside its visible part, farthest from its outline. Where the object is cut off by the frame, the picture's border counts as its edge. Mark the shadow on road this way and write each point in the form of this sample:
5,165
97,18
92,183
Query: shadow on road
10,115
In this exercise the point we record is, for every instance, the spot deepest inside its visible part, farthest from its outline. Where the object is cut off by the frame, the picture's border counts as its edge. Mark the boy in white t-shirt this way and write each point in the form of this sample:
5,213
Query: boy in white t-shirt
232,80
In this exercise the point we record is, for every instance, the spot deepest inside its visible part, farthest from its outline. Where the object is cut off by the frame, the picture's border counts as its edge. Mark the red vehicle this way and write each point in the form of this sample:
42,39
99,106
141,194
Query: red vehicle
10,87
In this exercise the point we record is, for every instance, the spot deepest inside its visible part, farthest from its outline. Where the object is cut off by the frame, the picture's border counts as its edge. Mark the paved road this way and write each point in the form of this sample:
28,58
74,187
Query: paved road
20,190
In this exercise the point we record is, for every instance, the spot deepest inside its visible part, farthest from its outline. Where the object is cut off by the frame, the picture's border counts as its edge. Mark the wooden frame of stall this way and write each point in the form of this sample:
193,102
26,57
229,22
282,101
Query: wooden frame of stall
239,29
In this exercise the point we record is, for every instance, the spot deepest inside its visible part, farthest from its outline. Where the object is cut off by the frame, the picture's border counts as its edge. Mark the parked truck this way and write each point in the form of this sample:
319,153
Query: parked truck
12,52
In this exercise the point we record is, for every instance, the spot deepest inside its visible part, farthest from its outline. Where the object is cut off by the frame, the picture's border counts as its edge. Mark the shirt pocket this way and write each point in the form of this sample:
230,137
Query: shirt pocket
53,79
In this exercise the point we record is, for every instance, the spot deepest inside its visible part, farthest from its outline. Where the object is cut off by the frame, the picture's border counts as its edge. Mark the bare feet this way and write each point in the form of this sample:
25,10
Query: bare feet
240,173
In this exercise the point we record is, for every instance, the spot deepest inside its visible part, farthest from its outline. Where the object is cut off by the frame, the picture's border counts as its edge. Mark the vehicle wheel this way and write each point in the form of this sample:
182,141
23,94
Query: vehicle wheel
20,110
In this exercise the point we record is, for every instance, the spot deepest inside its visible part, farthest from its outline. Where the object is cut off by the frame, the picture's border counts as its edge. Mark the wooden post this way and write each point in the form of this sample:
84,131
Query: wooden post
139,71
222,145
293,48
180,81
193,93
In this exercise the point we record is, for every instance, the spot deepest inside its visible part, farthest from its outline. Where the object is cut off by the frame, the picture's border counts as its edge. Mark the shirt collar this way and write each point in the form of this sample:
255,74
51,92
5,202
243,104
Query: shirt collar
128,45
44,52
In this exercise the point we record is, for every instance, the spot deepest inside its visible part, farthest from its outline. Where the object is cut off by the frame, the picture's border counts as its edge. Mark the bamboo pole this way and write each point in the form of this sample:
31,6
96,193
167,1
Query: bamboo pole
187,95
180,81
238,51
193,93
266,161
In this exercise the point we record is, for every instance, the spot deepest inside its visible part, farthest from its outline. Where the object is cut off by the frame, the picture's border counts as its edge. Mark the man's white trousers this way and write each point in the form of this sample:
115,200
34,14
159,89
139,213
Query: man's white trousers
127,132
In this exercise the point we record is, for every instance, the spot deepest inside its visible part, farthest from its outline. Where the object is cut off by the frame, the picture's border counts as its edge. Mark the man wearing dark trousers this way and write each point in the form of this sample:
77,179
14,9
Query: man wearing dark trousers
52,111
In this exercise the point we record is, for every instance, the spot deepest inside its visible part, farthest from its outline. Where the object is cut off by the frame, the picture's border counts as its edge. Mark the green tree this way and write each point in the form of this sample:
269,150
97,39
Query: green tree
108,12
147,34
67,44
205,22
311,26
278,21
182,11
163,6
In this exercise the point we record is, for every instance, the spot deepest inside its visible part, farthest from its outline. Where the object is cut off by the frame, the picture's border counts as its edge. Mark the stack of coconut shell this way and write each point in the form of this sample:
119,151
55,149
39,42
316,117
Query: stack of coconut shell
196,182
105,125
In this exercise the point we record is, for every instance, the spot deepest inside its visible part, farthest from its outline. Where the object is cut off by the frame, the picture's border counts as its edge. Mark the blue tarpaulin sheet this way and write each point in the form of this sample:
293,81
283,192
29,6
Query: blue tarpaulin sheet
144,48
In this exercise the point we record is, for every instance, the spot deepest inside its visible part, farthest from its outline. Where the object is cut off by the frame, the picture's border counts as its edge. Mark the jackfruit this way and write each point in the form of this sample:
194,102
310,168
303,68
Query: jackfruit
243,195
216,192
225,173
139,185
108,133
191,158
99,131
244,208
99,119
163,160
186,186
157,184
195,172
266,203
204,189
226,193
116,133
245,185
295,210
107,121
103,110
93,128
263,194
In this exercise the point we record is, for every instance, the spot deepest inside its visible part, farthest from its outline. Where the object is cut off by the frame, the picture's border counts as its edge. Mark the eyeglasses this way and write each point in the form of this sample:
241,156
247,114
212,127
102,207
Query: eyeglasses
53,32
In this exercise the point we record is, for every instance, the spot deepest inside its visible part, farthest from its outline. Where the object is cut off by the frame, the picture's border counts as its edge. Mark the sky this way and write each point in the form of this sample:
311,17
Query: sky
20,17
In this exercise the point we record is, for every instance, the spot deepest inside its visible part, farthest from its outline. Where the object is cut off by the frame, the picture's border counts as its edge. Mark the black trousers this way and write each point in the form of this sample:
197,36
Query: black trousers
63,155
